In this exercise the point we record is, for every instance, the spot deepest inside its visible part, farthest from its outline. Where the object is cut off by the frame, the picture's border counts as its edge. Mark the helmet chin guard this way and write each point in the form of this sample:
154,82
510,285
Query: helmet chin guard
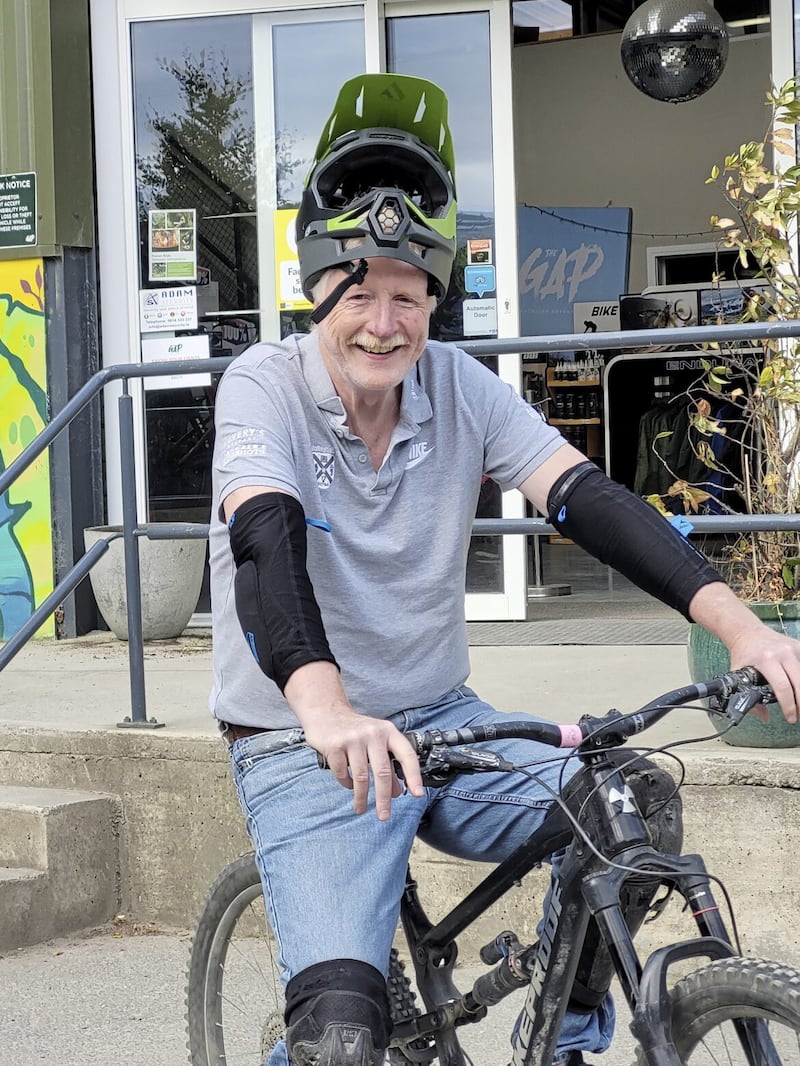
382,182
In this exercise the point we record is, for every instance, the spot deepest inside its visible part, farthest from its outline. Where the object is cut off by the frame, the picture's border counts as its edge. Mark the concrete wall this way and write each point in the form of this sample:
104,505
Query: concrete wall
181,824
585,137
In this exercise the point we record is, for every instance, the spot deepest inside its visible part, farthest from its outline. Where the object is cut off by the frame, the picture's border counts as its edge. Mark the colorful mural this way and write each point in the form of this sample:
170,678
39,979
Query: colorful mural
26,543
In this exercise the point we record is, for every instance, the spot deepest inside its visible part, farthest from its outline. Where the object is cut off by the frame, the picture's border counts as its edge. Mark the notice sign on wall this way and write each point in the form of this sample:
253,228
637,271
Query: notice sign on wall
17,210
288,290
167,309
172,241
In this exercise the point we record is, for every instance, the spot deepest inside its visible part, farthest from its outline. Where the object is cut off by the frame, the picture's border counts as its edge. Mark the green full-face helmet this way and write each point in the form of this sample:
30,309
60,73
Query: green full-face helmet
382,182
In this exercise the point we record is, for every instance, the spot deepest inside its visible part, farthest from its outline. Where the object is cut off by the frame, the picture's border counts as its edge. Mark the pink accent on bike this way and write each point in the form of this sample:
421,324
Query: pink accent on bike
571,736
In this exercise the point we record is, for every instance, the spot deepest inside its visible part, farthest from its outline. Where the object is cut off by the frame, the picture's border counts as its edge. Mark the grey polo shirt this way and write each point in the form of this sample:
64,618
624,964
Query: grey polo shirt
387,550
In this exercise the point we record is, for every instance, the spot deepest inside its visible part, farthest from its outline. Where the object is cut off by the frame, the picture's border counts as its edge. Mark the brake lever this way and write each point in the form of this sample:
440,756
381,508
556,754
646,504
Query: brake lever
441,764
741,703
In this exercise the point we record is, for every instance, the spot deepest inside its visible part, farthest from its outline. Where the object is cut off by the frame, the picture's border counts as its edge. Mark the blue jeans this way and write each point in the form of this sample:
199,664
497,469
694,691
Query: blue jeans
333,880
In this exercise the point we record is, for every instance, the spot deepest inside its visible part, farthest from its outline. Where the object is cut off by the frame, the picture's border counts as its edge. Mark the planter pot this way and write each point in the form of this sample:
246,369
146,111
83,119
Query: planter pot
171,573
709,656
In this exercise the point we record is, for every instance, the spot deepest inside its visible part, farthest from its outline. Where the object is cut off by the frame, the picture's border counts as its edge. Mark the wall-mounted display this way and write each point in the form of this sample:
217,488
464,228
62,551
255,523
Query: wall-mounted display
172,245
569,255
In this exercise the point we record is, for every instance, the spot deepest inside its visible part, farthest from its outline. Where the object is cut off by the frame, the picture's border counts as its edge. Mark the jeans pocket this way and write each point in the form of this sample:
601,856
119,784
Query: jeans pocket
249,752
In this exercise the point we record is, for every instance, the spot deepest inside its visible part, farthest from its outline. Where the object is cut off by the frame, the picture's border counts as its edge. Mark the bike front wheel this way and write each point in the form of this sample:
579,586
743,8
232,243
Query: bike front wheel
234,997
737,1011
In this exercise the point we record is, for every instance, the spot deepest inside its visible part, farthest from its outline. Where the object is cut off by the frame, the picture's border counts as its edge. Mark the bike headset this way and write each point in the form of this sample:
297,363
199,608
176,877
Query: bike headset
382,183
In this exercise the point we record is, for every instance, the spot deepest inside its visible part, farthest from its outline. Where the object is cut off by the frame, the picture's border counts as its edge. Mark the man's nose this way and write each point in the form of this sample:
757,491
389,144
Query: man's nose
384,318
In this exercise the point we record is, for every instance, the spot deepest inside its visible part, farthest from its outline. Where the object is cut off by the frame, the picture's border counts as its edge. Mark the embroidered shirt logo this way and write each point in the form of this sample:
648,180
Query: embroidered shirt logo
417,453
323,468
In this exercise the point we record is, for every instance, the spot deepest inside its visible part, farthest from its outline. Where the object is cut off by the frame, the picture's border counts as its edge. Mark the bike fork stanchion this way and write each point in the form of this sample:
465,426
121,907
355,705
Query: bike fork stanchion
133,592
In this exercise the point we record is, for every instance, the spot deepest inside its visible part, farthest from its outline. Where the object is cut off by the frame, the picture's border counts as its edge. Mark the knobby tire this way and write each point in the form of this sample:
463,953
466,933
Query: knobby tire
705,1003
235,1020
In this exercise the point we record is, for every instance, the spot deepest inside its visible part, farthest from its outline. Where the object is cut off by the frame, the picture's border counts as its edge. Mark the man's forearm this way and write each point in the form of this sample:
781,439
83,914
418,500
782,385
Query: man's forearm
314,692
717,608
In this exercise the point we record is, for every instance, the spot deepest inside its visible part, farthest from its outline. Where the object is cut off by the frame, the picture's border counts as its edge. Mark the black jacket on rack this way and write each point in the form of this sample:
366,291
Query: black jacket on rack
663,460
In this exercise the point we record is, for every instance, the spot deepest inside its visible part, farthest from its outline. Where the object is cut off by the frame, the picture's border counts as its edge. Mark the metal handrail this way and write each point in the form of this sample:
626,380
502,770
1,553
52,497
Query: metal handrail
643,340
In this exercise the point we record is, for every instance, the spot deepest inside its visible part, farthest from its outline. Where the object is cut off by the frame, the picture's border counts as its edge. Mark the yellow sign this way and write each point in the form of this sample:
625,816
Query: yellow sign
288,291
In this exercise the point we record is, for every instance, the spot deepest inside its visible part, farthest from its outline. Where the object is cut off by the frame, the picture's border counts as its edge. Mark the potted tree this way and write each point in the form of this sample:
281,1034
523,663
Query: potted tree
744,405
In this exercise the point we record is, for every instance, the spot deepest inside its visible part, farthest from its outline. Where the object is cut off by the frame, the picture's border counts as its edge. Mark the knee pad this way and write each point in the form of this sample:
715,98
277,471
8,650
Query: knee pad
337,1014
657,798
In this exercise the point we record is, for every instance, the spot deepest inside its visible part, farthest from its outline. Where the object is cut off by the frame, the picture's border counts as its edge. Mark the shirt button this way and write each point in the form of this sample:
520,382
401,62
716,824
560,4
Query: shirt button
362,458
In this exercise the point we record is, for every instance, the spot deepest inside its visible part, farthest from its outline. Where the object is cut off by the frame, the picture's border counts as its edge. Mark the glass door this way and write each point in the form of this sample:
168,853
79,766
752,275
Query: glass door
290,113
207,115
460,50
224,132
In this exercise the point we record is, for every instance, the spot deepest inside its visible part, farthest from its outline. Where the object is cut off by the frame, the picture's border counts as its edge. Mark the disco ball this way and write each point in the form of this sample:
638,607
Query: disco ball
674,50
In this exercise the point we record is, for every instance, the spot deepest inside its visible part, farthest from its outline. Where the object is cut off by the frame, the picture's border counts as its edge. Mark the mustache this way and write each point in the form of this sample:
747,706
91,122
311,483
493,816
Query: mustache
372,344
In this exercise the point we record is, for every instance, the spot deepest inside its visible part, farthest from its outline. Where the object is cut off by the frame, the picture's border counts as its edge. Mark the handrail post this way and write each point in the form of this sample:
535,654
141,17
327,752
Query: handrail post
133,590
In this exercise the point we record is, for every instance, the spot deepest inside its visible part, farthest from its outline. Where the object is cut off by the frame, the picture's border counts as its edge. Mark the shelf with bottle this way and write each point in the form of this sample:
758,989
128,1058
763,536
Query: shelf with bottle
576,373
575,405
575,421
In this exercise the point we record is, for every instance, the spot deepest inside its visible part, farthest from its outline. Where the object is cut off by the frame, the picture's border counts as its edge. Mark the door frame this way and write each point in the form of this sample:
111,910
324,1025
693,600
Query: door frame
111,22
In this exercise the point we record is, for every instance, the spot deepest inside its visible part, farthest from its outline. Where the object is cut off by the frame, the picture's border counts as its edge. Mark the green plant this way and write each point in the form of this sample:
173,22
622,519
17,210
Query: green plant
759,384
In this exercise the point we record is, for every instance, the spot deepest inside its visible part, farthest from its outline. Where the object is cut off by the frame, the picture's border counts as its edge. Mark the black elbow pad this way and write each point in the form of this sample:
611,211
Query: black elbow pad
275,601
625,532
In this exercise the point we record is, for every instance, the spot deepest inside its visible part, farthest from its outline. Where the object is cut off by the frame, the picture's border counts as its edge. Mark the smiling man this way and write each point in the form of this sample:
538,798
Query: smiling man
347,469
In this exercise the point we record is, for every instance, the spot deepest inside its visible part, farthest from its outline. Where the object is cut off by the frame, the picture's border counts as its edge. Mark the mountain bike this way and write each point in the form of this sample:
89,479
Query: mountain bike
725,1009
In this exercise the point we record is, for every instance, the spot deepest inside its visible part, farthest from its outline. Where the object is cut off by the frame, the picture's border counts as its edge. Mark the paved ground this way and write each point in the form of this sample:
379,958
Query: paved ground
84,684
117,999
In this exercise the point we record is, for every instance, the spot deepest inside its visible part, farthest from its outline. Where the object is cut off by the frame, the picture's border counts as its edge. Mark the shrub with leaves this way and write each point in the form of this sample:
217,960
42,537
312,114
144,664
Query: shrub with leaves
758,385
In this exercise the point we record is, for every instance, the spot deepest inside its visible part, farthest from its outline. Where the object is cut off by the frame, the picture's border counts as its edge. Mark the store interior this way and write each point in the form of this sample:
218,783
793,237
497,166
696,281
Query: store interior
585,140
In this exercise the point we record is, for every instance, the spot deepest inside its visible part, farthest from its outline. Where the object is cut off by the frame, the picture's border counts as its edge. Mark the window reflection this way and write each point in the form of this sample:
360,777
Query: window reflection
334,51
195,151
453,51
195,147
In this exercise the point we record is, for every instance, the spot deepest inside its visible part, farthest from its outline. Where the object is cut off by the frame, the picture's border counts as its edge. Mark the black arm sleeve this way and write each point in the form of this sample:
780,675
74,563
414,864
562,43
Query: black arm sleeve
625,532
275,601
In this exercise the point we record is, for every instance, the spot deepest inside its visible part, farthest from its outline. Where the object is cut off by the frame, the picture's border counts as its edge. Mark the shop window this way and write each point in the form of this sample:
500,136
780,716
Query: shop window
547,20
453,50
695,264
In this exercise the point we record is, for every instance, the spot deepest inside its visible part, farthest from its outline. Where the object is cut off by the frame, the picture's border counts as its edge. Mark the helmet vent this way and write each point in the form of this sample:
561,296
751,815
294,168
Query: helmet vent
389,216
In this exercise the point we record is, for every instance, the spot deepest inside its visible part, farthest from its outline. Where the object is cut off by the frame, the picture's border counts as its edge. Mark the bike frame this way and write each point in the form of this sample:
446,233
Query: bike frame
585,888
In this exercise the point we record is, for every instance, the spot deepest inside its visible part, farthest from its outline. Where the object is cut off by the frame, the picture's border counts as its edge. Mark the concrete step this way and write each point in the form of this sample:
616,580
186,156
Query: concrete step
59,862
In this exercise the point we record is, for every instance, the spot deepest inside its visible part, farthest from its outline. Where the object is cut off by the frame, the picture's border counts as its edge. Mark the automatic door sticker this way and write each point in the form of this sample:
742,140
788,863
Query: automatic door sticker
479,279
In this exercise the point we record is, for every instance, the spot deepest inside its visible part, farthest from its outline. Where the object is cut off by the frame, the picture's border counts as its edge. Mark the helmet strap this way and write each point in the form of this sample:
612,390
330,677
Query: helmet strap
355,277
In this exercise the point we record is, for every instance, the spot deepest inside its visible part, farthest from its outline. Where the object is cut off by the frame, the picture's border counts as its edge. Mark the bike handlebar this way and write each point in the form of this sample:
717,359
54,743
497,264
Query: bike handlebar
735,694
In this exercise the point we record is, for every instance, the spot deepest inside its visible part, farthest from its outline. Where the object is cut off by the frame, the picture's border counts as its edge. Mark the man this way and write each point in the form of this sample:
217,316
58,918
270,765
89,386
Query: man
347,469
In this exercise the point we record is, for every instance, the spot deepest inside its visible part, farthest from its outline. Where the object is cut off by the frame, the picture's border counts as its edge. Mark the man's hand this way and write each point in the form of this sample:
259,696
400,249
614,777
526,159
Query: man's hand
355,746
751,643
777,657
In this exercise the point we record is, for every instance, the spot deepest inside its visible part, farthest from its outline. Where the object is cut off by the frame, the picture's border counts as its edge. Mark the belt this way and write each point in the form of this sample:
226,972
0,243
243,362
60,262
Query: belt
232,732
